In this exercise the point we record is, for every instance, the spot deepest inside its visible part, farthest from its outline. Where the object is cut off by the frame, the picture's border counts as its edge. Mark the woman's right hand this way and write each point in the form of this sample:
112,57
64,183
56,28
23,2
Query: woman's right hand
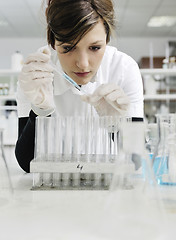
36,79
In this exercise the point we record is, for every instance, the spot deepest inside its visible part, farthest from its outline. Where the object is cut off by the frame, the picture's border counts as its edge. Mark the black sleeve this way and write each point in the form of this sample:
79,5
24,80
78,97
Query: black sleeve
137,119
24,149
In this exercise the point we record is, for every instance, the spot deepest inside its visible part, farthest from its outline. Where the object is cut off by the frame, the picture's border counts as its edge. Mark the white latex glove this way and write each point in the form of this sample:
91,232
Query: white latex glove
36,80
108,100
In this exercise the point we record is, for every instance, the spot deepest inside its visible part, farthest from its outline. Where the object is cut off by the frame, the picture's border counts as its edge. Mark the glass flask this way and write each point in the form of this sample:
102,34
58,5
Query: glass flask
164,161
133,156
133,199
6,189
164,155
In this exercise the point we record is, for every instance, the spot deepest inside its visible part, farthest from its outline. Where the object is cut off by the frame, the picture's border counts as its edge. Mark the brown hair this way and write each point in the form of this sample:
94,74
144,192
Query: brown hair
69,20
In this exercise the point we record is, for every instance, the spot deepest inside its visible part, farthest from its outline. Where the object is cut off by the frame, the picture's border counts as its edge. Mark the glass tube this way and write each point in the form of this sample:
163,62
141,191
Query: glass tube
134,196
74,139
164,155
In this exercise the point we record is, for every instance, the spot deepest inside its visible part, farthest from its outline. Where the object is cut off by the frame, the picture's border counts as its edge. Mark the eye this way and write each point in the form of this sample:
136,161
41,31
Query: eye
67,48
95,48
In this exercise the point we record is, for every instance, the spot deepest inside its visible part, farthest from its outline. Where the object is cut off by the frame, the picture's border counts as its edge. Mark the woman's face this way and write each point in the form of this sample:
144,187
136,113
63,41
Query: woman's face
83,61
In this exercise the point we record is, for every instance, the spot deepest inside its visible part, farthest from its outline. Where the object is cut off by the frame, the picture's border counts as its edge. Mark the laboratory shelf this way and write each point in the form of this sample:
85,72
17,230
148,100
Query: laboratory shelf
162,73
8,97
158,71
9,77
8,107
160,97
8,72
8,115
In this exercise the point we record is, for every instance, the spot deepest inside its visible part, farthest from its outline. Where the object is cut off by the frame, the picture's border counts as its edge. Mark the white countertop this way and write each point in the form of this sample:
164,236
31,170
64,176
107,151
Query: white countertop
80,215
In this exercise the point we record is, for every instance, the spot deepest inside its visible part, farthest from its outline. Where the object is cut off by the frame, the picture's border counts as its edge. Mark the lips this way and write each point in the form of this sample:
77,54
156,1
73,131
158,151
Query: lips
81,74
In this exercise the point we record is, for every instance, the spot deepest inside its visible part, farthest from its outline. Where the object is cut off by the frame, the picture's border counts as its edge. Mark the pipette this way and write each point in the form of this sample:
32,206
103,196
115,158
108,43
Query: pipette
69,79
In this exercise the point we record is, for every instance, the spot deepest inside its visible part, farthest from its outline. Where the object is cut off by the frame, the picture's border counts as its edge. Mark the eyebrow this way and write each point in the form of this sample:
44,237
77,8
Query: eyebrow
98,41
94,43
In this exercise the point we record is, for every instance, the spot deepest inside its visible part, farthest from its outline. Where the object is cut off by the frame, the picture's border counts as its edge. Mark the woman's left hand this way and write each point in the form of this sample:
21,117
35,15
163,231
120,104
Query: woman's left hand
108,100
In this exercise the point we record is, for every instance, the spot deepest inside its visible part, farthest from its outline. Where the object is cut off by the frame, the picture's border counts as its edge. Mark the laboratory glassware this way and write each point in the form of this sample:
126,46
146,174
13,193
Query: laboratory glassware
6,189
75,152
164,157
164,160
133,198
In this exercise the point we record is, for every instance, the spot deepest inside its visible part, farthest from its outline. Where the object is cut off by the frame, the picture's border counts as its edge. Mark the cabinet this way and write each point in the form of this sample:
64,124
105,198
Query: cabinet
159,91
8,77
8,108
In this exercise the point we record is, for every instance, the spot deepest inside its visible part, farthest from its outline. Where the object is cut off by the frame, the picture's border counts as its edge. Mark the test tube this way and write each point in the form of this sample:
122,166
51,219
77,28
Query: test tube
88,145
75,139
67,148
98,149
39,150
77,128
108,139
57,149
49,135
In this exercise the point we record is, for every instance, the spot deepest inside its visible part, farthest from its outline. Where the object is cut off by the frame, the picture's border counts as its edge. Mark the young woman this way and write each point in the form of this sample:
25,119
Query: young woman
78,33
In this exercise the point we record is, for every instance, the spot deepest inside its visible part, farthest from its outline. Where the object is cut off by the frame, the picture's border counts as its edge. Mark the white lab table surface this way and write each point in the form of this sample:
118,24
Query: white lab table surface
80,215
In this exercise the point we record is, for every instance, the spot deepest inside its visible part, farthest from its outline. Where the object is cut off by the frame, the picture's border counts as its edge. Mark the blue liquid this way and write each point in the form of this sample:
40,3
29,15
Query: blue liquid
160,167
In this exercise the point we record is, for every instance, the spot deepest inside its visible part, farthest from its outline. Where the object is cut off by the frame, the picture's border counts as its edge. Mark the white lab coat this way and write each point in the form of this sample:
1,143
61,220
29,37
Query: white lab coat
116,67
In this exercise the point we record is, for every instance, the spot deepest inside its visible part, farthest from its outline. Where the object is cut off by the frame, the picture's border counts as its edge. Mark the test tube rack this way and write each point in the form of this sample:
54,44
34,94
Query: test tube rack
75,152
63,174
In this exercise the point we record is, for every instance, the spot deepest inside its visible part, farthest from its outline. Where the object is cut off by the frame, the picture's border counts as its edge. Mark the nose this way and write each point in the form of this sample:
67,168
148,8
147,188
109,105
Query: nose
82,60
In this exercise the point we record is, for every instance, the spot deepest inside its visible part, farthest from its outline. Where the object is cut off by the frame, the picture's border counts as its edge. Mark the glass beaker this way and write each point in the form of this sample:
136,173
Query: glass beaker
164,156
133,164
151,138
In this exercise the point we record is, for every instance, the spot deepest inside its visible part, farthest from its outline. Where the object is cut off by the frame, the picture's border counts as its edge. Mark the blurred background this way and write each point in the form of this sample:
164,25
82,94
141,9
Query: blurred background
146,30
22,27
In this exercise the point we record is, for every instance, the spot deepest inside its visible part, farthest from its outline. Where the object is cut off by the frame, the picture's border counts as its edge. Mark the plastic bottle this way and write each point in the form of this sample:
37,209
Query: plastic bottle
6,89
172,62
165,63
17,61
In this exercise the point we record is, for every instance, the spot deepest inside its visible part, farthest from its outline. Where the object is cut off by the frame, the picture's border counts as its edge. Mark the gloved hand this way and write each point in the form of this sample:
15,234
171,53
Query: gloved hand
108,100
36,80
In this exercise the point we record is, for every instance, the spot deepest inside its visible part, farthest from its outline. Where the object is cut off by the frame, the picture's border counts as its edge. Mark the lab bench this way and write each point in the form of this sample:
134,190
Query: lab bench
96,215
